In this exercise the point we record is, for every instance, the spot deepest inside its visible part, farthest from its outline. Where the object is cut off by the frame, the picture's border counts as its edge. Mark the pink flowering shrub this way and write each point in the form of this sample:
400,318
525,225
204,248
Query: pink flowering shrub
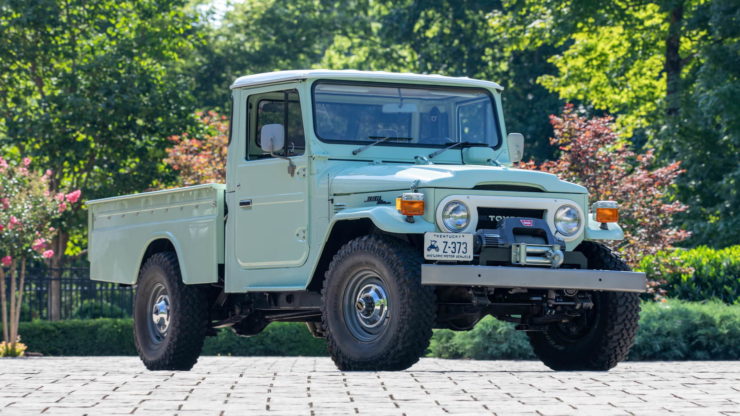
592,155
28,209
200,157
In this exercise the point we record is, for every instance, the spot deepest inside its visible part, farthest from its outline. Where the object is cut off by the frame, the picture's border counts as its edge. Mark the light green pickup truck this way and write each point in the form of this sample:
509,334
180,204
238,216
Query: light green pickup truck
374,207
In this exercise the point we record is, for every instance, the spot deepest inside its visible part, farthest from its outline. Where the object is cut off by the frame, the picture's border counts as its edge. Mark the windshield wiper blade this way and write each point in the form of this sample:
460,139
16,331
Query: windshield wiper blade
378,139
456,144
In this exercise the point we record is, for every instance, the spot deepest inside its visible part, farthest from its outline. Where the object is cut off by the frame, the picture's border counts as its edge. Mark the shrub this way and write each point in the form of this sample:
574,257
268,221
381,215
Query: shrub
94,309
491,339
673,330
678,330
278,339
92,337
698,274
97,337
592,154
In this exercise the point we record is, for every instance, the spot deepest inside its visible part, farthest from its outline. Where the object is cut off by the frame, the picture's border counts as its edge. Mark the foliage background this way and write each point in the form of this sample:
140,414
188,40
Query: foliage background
93,89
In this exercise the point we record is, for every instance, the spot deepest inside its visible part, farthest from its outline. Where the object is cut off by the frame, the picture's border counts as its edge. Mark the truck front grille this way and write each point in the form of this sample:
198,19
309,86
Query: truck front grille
491,217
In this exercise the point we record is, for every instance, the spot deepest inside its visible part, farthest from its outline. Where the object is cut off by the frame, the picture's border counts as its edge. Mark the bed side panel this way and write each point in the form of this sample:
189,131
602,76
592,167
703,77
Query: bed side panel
121,229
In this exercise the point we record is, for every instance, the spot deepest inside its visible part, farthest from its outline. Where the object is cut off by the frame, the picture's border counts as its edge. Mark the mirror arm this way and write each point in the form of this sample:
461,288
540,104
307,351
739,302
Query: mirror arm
291,165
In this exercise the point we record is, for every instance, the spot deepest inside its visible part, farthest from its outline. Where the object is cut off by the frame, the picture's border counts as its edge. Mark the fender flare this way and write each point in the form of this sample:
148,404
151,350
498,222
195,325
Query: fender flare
385,218
163,235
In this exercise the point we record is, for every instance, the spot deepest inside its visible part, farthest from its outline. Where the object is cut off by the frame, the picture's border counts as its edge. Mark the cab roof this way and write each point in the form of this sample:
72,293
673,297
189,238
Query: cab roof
353,75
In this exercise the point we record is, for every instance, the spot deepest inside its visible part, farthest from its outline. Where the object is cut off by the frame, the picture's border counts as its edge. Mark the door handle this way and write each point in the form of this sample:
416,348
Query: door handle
245,203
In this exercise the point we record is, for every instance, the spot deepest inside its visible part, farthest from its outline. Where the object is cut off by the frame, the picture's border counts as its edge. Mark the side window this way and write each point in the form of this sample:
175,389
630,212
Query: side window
474,121
279,107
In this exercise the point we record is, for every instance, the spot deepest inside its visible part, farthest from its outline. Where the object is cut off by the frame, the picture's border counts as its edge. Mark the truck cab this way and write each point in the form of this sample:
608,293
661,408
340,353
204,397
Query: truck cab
374,207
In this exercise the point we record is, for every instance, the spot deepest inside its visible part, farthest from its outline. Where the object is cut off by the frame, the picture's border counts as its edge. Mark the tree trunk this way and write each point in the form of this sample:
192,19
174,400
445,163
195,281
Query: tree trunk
19,301
4,305
13,271
55,284
673,64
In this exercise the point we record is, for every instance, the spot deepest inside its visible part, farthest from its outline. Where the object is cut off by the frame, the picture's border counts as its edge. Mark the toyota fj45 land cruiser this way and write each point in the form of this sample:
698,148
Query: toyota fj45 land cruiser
374,207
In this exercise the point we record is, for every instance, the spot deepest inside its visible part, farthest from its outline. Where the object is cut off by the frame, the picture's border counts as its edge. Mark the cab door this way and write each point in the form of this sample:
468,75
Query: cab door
269,210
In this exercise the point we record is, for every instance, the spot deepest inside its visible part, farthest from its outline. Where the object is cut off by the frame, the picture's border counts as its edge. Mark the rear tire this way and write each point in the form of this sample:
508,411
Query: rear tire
375,313
602,338
170,318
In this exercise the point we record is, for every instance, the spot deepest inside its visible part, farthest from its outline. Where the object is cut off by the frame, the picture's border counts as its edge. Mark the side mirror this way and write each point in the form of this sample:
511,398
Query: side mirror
515,143
272,138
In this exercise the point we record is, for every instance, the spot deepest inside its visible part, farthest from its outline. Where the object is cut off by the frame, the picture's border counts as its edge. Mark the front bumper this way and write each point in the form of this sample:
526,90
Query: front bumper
532,278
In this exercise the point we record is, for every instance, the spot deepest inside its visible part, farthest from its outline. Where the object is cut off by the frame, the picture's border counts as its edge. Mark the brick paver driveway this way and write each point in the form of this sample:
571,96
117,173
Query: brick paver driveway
307,386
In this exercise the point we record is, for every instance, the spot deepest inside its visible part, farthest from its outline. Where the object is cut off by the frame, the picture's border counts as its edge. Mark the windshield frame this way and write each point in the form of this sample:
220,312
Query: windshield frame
494,109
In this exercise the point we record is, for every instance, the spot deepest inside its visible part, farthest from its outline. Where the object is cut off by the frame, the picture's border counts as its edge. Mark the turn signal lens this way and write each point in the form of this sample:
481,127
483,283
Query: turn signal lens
606,211
410,203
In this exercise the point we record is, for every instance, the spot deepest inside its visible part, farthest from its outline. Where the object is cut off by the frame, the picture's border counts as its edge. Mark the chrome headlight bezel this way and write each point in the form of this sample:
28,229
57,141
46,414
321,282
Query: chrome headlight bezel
568,220
462,213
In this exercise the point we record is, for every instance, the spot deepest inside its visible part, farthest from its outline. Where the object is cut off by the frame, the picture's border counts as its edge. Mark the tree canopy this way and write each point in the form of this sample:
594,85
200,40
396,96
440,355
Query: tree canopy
92,89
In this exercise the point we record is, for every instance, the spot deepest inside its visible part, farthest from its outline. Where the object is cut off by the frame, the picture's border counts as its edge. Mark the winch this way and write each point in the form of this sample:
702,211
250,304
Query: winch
528,240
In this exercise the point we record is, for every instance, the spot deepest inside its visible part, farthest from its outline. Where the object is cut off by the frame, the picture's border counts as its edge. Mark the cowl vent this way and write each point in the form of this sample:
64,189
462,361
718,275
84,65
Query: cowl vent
506,187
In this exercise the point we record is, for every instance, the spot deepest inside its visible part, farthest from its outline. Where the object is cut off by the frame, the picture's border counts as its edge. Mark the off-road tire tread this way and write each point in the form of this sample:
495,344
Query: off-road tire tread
189,323
416,310
621,313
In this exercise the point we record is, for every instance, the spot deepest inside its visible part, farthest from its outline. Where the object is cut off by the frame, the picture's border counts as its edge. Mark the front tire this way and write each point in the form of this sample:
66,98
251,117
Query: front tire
170,318
376,314
601,338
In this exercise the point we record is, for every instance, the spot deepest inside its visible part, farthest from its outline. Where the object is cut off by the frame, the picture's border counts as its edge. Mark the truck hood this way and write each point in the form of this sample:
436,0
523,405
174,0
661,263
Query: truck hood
387,177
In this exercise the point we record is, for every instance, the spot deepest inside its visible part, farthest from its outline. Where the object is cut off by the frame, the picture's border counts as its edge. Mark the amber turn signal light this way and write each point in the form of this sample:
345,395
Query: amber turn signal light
606,211
410,203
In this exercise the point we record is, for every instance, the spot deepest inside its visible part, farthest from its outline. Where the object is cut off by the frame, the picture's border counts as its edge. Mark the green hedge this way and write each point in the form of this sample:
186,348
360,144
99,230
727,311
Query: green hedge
698,274
97,337
675,330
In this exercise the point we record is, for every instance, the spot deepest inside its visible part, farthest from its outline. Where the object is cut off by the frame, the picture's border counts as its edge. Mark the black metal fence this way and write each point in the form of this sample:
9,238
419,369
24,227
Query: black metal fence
69,293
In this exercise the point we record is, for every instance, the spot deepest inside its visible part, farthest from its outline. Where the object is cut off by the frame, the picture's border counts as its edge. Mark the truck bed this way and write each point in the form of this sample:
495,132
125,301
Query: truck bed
121,229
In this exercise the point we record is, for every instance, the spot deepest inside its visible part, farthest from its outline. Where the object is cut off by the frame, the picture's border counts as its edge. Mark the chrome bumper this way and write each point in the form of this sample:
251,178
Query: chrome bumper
532,278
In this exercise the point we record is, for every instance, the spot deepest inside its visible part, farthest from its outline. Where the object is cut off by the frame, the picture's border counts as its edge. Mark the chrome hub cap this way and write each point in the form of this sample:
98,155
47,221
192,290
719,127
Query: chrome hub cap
371,305
160,309
161,314
366,306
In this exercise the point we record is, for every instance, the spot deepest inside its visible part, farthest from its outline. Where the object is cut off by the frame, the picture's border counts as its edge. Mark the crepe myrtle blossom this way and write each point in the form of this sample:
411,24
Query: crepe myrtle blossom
14,223
38,244
30,208
73,196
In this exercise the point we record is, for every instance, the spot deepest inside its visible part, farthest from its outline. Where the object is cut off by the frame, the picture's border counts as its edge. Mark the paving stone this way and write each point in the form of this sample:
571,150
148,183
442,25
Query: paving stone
313,386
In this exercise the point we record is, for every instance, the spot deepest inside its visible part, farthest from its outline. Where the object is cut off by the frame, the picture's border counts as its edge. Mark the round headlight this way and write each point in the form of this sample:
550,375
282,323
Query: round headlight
567,220
455,216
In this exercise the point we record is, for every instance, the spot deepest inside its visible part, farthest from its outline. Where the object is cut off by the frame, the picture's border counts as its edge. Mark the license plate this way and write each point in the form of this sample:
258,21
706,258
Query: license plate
448,246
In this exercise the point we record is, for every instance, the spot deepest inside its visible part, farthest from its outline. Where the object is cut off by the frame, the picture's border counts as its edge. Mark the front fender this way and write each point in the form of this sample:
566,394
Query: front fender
385,218
594,232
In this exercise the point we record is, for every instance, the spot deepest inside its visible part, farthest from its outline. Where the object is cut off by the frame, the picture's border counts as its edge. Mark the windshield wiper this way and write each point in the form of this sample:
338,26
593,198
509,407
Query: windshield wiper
378,139
453,145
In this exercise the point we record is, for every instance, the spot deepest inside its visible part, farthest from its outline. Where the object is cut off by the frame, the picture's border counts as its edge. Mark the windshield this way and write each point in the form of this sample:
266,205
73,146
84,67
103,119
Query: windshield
417,115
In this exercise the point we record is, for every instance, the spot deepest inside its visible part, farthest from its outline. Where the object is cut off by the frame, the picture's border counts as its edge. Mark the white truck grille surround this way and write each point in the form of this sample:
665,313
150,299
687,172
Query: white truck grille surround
548,205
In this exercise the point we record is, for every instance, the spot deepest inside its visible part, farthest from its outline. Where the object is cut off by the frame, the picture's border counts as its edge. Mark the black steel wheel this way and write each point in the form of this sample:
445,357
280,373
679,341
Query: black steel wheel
170,318
375,312
600,338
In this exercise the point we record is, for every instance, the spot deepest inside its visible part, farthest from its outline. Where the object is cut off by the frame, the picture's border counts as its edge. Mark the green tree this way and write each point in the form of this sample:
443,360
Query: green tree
262,36
669,70
458,38
91,89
